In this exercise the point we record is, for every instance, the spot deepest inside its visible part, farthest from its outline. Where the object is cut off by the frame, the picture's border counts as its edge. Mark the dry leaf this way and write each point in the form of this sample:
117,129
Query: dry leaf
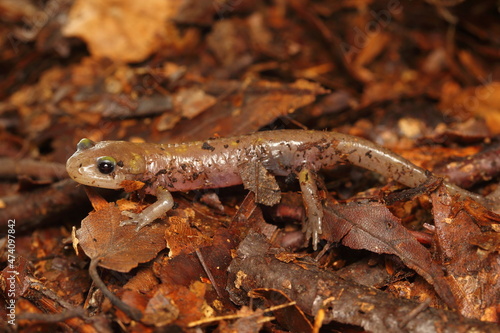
119,248
124,30
471,256
371,226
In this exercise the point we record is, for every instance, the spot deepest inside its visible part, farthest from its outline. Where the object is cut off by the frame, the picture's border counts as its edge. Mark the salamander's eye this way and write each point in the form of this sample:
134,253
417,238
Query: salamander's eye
85,144
106,164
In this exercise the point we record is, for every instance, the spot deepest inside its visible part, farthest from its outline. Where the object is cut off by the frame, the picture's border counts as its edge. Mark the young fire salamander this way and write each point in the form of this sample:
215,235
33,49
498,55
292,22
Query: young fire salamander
252,160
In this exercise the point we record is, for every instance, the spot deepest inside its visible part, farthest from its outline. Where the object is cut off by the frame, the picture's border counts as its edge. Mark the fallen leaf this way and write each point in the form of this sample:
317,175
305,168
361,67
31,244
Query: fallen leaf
131,185
101,25
119,248
470,256
182,238
97,201
161,309
371,226
246,107
180,304
185,268
259,180
192,101
482,101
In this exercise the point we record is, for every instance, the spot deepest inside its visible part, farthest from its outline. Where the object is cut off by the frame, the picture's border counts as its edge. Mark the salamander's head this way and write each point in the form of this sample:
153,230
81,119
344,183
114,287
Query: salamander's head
105,164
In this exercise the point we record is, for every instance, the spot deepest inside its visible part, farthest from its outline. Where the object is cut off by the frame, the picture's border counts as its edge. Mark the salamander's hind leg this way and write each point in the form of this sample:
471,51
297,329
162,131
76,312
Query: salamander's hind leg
313,205
163,204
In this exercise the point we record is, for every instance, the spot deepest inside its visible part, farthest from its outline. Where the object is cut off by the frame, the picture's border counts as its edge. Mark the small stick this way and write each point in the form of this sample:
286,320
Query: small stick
54,317
413,313
208,272
130,311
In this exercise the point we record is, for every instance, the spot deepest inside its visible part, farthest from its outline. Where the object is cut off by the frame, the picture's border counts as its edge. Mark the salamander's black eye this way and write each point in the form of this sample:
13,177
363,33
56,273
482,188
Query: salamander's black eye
106,164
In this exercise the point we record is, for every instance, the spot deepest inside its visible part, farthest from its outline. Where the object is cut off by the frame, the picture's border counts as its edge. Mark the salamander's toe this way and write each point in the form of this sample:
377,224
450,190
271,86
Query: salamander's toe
134,218
312,228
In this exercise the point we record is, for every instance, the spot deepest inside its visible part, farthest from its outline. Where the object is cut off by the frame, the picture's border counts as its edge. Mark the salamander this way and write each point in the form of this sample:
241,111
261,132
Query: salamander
252,160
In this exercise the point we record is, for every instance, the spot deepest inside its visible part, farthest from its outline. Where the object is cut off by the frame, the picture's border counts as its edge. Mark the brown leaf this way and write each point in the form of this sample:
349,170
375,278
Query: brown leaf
131,185
182,238
371,226
192,101
119,248
259,180
161,309
216,257
249,107
470,254
144,281
181,304
107,36
483,101
97,201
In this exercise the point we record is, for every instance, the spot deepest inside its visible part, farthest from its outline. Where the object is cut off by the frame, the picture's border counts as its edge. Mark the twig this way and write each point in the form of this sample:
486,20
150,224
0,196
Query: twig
130,311
52,295
13,168
54,317
240,315
413,313
208,272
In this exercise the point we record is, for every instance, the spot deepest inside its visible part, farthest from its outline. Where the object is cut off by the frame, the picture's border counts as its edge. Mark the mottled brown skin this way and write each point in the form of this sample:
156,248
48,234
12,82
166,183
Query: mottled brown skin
219,162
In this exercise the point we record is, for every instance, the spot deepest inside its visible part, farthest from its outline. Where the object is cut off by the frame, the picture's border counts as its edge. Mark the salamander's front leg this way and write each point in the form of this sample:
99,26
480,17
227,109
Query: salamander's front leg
312,203
163,204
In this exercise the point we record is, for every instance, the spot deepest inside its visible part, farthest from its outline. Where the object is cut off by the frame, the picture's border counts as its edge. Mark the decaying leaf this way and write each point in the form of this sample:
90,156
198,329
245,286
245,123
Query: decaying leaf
247,107
161,309
131,185
178,303
482,101
119,248
185,268
470,256
260,181
193,101
106,34
371,226
182,238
